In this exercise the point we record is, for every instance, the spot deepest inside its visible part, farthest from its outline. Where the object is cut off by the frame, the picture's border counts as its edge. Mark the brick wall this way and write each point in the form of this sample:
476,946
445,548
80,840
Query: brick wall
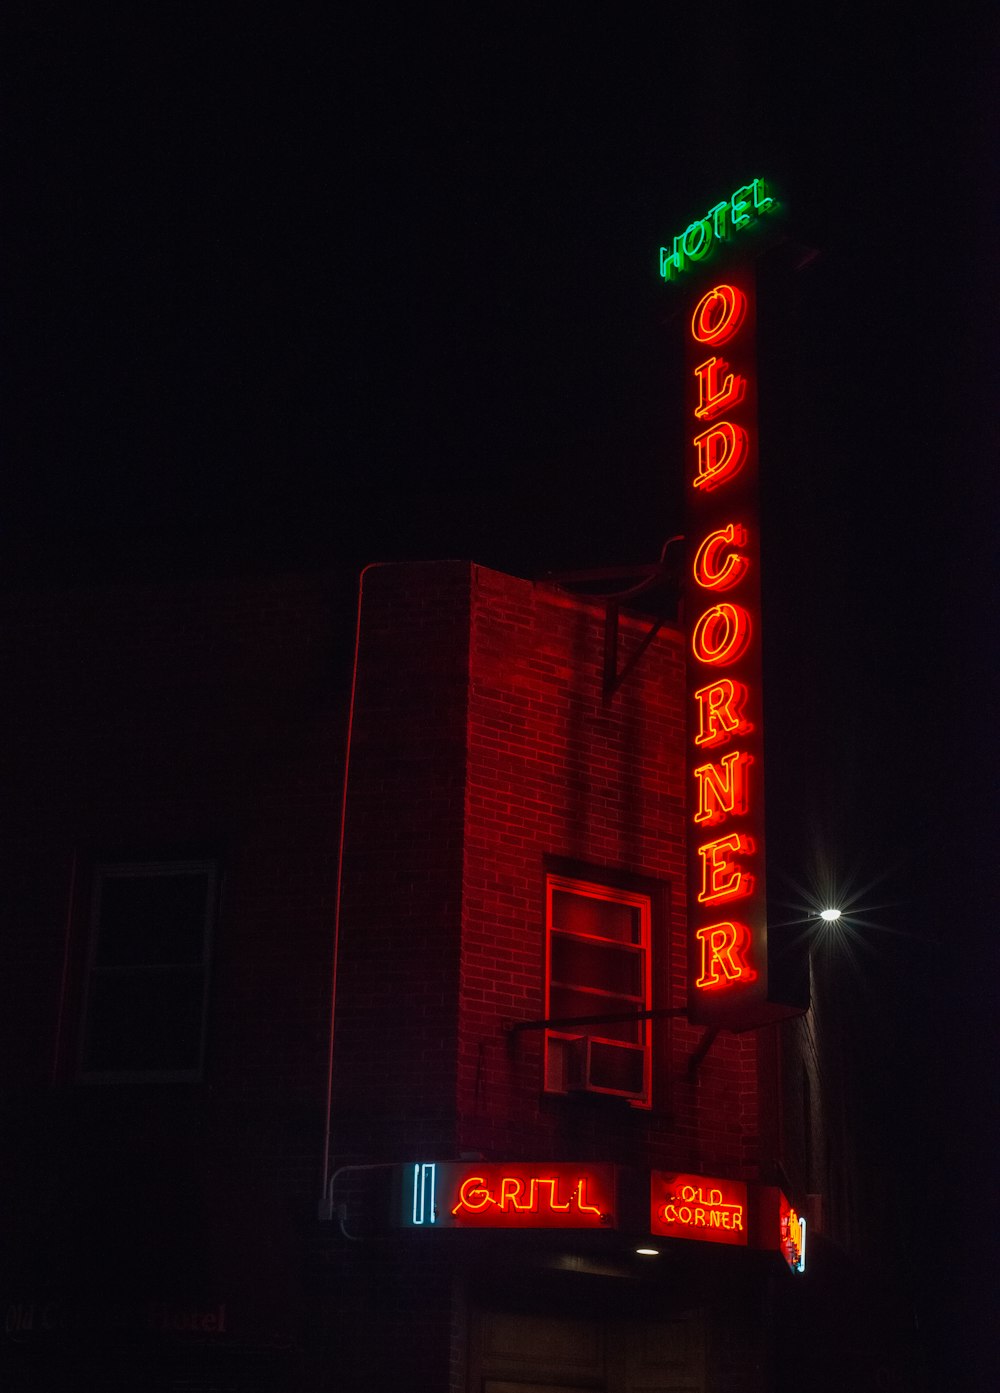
484,753
397,1011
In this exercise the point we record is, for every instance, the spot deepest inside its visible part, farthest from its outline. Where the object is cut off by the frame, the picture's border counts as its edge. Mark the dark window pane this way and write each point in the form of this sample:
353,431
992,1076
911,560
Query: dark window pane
614,1068
583,963
564,1001
604,918
144,1021
151,919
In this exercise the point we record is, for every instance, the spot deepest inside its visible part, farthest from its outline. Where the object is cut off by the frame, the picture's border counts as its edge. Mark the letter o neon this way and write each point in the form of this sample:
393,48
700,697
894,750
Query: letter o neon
718,314
721,635
704,241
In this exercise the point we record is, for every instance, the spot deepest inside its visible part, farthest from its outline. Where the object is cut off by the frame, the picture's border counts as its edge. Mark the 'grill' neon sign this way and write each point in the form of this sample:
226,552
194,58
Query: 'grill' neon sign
510,1194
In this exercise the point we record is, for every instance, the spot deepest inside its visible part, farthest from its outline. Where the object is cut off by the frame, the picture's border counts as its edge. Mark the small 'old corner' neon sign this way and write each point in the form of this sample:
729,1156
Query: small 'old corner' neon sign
733,214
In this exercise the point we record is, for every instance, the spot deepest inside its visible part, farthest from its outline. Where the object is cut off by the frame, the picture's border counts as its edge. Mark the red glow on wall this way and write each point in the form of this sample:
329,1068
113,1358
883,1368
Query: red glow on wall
699,1207
520,1194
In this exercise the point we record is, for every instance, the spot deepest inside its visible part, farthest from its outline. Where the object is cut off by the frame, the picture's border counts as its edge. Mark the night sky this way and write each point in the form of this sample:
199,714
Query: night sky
287,291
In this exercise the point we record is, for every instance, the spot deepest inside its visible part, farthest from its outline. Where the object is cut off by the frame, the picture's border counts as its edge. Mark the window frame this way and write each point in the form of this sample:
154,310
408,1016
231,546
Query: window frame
643,901
103,871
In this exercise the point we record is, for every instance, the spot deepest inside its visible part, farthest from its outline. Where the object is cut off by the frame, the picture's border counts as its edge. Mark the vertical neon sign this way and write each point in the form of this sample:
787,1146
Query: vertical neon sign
726,882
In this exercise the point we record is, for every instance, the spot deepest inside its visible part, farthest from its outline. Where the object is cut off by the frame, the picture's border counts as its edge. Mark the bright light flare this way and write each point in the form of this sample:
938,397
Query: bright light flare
830,915
648,1252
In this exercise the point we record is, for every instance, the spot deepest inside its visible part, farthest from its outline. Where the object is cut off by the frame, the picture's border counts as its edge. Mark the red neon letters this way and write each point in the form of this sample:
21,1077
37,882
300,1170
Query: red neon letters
724,645
529,1195
698,1207
722,452
720,712
509,1195
714,396
721,878
721,635
719,315
722,788
713,573
724,948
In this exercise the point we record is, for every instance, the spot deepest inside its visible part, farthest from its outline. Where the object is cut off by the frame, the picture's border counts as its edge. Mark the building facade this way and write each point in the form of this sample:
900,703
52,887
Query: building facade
375,1071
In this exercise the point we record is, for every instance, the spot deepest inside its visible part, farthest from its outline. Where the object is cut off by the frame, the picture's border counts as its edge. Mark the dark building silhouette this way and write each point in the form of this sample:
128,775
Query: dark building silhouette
194,1200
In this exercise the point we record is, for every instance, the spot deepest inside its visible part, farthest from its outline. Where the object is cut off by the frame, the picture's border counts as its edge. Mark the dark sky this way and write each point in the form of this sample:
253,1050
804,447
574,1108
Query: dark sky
291,290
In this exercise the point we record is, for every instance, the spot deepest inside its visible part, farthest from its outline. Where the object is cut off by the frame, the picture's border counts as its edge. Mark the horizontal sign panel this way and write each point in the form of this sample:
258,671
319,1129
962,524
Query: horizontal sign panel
506,1195
699,1207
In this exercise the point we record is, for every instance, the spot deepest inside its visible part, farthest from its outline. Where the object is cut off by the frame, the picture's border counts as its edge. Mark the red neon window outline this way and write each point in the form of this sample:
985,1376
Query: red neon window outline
725,952
603,1040
721,635
722,788
714,396
721,878
722,453
720,712
718,315
709,571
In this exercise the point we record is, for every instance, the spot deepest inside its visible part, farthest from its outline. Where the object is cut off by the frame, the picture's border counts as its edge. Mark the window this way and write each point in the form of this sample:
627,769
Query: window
147,975
597,964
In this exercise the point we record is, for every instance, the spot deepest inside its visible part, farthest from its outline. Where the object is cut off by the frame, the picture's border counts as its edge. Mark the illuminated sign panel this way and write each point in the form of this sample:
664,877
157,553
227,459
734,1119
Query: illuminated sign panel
507,1195
698,1207
736,979
726,879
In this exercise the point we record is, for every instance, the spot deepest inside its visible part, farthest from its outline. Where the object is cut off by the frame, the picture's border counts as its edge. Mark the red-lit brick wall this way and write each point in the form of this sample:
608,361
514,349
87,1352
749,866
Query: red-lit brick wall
485,753
397,1000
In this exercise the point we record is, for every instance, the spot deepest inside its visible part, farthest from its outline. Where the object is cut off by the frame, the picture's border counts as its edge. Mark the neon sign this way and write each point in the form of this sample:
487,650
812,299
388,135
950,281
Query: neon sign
793,1237
726,902
696,242
449,1194
698,1207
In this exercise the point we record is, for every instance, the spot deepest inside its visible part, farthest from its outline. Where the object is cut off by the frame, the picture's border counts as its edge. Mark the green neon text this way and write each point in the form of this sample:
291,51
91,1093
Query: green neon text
698,238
